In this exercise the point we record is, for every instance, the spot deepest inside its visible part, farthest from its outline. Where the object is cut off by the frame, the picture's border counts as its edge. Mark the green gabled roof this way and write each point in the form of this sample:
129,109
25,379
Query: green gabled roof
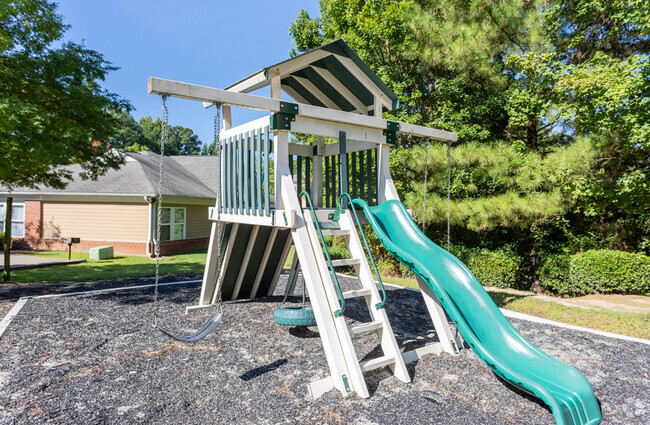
331,76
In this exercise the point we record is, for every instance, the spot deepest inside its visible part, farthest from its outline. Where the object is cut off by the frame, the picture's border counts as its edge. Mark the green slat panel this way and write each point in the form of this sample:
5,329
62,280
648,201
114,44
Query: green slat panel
362,174
308,174
235,169
343,163
233,187
376,175
258,179
299,172
354,175
240,173
327,181
291,165
244,177
267,168
334,170
369,176
251,172
233,173
229,175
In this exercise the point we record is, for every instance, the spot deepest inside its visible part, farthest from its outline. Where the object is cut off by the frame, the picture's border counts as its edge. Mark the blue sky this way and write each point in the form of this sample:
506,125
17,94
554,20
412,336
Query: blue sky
212,43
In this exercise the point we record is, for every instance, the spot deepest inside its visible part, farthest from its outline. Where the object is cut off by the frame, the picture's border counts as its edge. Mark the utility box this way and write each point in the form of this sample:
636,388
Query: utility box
101,252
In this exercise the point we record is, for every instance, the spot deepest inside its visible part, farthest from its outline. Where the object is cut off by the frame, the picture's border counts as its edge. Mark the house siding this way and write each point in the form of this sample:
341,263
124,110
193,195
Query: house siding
122,225
98,221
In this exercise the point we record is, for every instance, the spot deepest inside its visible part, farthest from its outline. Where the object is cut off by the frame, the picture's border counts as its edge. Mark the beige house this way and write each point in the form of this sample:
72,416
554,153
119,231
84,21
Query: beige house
119,208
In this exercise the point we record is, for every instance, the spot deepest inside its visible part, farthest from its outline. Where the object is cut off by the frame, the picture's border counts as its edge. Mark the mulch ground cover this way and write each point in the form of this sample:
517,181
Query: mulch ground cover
95,358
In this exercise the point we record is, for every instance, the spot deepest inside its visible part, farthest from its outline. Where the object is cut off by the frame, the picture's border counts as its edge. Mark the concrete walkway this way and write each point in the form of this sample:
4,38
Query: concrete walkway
637,304
19,262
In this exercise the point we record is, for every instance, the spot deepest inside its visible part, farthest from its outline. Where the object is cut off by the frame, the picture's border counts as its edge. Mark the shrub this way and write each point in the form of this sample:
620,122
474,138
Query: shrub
2,241
554,274
608,271
493,268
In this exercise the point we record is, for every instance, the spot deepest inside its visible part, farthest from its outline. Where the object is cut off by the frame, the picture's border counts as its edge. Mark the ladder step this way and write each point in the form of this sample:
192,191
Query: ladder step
346,262
365,327
356,293
335,232
373,364
329,225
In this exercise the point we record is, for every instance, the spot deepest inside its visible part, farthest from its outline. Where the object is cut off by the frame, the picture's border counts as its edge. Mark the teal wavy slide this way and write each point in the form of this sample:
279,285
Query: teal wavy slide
485,329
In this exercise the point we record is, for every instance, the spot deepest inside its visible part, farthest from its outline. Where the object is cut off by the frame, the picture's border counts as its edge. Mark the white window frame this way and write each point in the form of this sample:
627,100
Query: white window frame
2,217
172,223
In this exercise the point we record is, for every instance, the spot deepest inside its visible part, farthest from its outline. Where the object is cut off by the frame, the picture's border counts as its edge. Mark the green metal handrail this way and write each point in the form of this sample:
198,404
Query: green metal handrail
379,305
339,312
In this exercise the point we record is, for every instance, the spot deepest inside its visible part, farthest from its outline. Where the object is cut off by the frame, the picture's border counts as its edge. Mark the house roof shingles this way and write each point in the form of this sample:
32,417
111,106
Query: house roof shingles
184,176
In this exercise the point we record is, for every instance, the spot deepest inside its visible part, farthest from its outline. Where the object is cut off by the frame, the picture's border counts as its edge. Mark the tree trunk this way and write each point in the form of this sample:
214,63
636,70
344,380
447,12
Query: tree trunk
534,262
7,247
531,134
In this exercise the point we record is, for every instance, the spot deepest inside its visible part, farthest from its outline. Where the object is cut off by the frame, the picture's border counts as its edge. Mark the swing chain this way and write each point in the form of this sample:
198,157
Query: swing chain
217,142
448,195
163,141
424,196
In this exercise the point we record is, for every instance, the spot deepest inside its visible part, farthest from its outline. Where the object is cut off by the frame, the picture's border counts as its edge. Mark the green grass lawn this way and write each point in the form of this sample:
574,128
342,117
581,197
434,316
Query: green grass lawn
118,267
631,324
636,325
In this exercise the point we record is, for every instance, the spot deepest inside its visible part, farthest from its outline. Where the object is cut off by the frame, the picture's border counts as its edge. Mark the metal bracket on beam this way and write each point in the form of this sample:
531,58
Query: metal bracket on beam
336,215
392,128
282,120
289,108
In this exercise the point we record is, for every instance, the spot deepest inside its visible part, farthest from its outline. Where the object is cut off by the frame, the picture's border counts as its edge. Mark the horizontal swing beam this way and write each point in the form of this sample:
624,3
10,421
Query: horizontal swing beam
213,95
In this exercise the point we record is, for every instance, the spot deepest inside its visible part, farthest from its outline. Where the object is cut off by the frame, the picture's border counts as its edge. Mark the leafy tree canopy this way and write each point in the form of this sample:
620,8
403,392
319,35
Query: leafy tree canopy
53,110
145,135
430,94
526,85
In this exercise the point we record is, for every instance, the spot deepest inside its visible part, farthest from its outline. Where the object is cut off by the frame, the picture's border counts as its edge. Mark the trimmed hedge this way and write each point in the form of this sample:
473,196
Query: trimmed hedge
554,275
597,271
493,268
608,271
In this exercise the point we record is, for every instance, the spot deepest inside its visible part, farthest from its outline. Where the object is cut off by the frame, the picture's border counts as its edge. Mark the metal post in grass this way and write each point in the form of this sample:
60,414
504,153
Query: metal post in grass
7,247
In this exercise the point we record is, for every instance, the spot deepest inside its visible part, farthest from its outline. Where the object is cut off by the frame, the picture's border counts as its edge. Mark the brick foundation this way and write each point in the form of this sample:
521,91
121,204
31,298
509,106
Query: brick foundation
172,247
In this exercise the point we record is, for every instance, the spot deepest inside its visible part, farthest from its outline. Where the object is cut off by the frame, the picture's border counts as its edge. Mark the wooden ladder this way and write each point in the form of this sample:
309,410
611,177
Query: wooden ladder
342,224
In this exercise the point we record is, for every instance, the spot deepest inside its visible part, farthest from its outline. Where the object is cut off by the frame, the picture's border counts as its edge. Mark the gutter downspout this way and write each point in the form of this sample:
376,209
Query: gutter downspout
152,201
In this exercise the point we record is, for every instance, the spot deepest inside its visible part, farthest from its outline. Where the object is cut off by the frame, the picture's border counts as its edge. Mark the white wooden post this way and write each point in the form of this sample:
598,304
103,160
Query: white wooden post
227,117
439,319
281,164
383,168
276,92
280,149
208,287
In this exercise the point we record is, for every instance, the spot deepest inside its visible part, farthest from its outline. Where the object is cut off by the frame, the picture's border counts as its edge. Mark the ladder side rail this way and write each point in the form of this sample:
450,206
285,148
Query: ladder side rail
357,225
350,355
387,338
319,289
323,246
